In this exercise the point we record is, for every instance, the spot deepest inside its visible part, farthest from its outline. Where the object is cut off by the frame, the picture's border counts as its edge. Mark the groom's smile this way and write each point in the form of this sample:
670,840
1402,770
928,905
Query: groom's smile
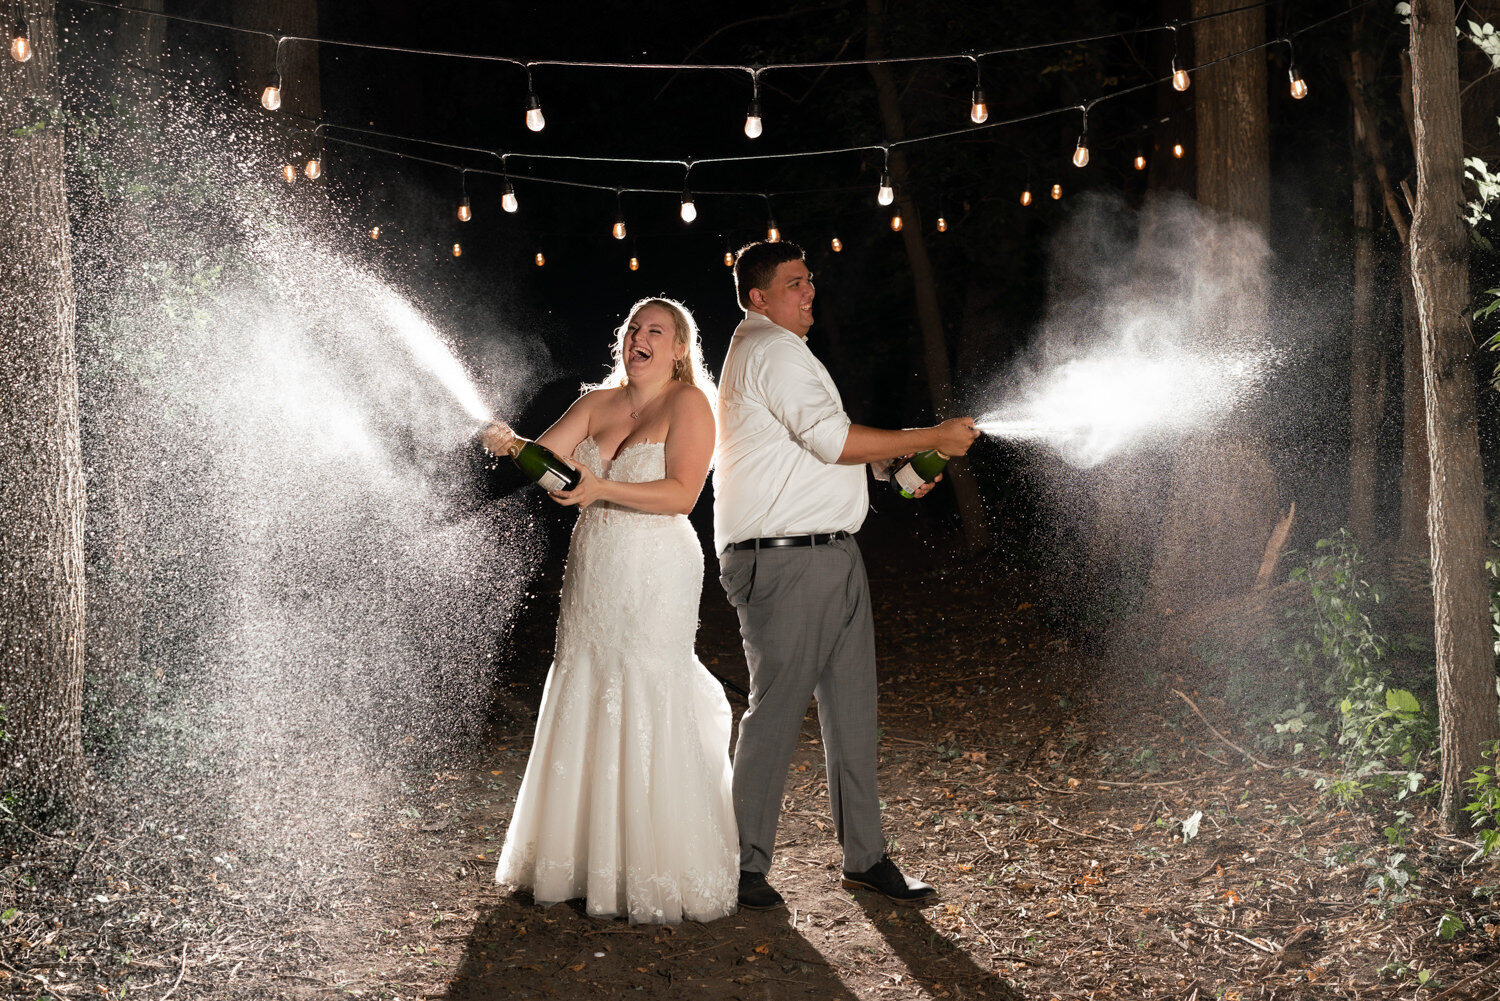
788,299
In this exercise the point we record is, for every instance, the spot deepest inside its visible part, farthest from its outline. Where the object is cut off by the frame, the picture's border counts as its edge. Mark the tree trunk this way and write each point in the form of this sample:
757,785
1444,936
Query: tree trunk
1416,473
1234,149
924,280
1364,359
1439,254
1222,501
41,465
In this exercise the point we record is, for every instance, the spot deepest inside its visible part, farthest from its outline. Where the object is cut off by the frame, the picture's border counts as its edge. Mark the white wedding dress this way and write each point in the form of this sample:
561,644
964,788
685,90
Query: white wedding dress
627,796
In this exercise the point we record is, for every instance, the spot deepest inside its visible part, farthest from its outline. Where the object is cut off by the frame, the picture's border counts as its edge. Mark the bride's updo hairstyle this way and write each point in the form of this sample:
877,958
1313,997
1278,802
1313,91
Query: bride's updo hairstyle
689,368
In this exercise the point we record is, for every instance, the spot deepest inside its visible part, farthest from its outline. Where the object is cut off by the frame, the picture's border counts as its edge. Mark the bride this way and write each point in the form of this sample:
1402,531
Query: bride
627,797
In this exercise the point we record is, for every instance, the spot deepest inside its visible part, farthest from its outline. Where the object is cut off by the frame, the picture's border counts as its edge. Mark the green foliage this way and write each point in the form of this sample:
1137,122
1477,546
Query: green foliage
1483,806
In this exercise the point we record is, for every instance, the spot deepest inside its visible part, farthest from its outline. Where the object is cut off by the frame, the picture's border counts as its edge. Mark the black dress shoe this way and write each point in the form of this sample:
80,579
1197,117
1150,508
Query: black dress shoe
885,879
756,894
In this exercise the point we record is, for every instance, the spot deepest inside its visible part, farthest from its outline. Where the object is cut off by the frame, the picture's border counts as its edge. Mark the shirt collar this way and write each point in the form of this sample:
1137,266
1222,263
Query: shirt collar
759,321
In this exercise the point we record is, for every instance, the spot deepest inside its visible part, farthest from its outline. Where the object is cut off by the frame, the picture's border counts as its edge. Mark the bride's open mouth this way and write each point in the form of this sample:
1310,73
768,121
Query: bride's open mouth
640,354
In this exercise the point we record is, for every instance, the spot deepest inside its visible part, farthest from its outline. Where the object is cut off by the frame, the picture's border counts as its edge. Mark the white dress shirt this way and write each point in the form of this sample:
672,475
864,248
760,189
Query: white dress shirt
782,428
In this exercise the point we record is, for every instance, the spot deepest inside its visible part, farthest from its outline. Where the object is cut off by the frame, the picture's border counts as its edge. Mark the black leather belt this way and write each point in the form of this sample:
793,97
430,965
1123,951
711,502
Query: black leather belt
789,541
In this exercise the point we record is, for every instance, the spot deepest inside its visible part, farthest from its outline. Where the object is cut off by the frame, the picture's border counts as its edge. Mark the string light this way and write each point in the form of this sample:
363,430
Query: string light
465,210
1177,150
773,235
942,225
1081,151
729,258
687,209
752,114
270,97
458,250
535,120
837,244
1026,195
1180,79
314,167
979,109
618,230
1140,157
374,232
635,263
508,200
1056,192
896,222
20,37
289,173
541,259
1298,85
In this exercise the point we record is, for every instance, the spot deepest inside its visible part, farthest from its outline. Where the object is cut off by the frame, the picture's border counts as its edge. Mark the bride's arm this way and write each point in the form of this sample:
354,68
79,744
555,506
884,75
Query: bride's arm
571,428
689,450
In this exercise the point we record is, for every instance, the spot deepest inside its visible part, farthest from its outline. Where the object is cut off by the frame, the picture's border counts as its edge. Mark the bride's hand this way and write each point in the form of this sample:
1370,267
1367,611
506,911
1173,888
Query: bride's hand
590,488
497,437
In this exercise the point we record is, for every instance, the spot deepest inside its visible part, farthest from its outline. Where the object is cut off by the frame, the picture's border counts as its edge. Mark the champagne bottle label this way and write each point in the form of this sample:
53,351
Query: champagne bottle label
907,478
552,482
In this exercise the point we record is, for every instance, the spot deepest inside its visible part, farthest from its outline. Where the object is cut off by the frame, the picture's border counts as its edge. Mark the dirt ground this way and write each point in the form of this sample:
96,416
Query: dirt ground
1042,789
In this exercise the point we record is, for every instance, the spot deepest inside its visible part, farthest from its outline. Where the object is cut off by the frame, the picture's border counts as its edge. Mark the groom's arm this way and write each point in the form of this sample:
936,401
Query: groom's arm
866,444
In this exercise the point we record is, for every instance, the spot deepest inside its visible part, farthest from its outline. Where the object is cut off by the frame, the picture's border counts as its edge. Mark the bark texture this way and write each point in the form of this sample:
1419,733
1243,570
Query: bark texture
1234,150
41,465
924,278
1456,526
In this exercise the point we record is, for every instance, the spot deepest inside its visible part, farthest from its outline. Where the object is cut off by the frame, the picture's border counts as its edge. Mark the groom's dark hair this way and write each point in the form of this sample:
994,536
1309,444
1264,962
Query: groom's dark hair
756,263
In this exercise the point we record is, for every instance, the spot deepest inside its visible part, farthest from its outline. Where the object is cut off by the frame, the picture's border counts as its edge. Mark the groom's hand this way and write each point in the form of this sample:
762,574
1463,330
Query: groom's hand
955,435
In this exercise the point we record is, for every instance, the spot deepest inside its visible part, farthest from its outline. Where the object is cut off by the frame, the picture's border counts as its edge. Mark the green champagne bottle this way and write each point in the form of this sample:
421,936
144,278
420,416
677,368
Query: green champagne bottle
921,468
542,464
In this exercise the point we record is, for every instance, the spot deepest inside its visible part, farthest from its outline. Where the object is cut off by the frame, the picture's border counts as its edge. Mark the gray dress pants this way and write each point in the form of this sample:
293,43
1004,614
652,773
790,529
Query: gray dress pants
806,624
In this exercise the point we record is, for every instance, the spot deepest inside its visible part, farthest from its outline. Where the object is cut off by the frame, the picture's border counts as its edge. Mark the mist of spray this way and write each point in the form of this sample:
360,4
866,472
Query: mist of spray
280,509
1139,351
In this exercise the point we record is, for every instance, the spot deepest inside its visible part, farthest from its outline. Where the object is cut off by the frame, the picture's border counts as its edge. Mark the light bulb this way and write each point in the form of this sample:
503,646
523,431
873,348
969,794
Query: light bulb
1026,197
728,259
1081,153
1177,150
942,225
458,250
465,210
374,232
1140,161
314,168
541,259
289,173
635,264
20,42
508,200
886,194
689,210
1299,85
838,245
752,119
535,120
270,98
896,223
773,235
1180,79
979,111
618,230
1056,192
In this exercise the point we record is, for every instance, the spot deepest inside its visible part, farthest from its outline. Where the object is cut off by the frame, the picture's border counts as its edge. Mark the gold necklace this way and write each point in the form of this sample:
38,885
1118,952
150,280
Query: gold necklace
635,414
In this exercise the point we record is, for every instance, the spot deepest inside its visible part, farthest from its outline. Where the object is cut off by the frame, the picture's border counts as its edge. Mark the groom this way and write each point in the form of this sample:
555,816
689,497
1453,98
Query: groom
789,494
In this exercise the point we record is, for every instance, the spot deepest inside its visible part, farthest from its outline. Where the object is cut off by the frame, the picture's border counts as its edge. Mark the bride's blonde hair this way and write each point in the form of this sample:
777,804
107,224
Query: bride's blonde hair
689,368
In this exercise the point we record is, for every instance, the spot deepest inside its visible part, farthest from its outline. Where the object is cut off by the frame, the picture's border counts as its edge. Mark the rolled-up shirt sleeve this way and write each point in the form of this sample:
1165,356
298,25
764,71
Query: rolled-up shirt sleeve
796,395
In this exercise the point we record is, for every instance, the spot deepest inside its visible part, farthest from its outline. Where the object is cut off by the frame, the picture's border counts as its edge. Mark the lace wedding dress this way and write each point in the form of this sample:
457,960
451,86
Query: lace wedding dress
626,800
